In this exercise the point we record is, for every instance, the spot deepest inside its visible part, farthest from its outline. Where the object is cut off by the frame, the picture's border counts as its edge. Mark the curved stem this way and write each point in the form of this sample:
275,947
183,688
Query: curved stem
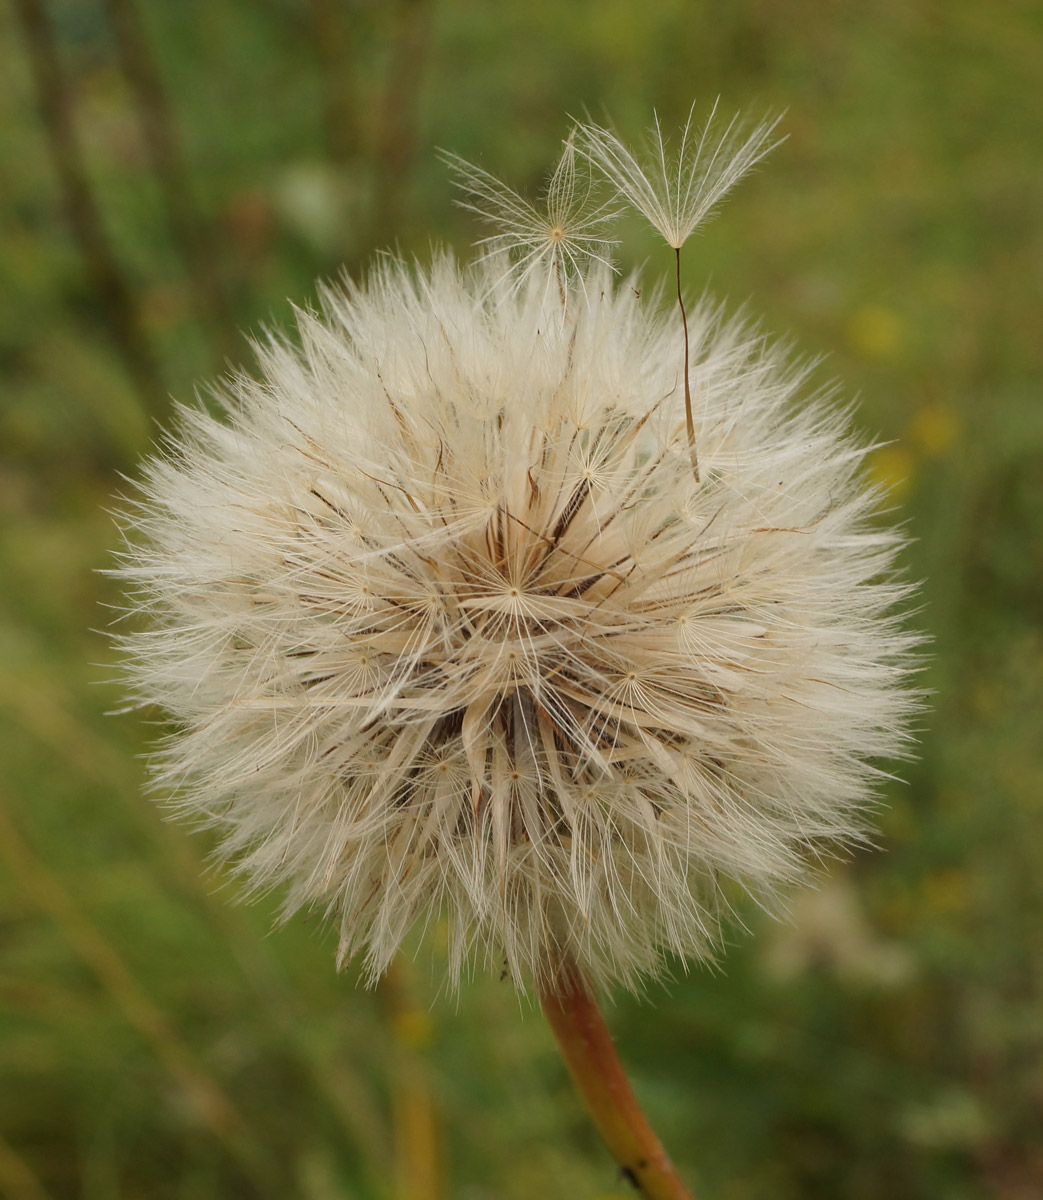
586,1045
689,421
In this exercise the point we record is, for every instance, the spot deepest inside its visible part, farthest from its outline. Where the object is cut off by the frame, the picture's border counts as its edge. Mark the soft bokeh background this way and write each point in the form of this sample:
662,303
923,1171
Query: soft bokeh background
171,174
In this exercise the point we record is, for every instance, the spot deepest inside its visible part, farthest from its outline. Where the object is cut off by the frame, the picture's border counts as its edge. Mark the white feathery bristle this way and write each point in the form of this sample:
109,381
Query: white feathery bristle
558,239
677,192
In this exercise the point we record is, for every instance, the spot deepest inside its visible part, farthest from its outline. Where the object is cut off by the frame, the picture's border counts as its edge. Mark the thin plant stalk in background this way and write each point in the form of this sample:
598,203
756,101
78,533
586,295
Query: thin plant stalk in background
452,621
332,38
159,135
395,133
109,281
17,1178
215,1108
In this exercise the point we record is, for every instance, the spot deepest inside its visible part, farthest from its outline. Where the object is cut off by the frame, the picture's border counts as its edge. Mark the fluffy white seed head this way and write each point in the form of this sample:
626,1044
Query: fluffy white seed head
449,632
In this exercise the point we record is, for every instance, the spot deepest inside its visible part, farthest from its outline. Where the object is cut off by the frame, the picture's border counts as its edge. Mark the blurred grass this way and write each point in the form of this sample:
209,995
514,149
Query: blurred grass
888,1042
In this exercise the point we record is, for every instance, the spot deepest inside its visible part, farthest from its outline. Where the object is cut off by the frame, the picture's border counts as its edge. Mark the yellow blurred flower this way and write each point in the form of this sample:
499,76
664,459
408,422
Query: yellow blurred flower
935,428
414,1027
875,332
945,890
893,467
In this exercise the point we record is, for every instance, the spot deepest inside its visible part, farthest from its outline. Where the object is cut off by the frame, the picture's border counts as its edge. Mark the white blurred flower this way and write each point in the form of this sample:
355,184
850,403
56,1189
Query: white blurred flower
448,629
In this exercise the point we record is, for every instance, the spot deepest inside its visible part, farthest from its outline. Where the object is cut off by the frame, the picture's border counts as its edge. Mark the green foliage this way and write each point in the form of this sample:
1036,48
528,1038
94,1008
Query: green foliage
157,1041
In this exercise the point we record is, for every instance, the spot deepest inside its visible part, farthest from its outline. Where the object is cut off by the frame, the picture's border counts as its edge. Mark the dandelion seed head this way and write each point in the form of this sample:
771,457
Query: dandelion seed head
447,628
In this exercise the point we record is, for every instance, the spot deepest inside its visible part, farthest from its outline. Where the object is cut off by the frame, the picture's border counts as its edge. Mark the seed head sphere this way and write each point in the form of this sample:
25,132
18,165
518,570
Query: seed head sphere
450,631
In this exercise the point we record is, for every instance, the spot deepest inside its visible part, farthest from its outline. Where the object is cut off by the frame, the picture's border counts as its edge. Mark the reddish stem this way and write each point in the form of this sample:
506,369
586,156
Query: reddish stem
688,418
586,1045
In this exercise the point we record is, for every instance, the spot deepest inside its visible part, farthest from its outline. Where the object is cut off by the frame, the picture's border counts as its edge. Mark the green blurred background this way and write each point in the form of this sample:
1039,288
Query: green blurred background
175,173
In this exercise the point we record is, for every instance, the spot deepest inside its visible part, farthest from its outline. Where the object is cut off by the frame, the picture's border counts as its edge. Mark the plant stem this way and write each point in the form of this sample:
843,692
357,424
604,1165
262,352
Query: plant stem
334,49
18,1180
585,1043
418,1170
688,419
214,1106
112,287
191,237
398,114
